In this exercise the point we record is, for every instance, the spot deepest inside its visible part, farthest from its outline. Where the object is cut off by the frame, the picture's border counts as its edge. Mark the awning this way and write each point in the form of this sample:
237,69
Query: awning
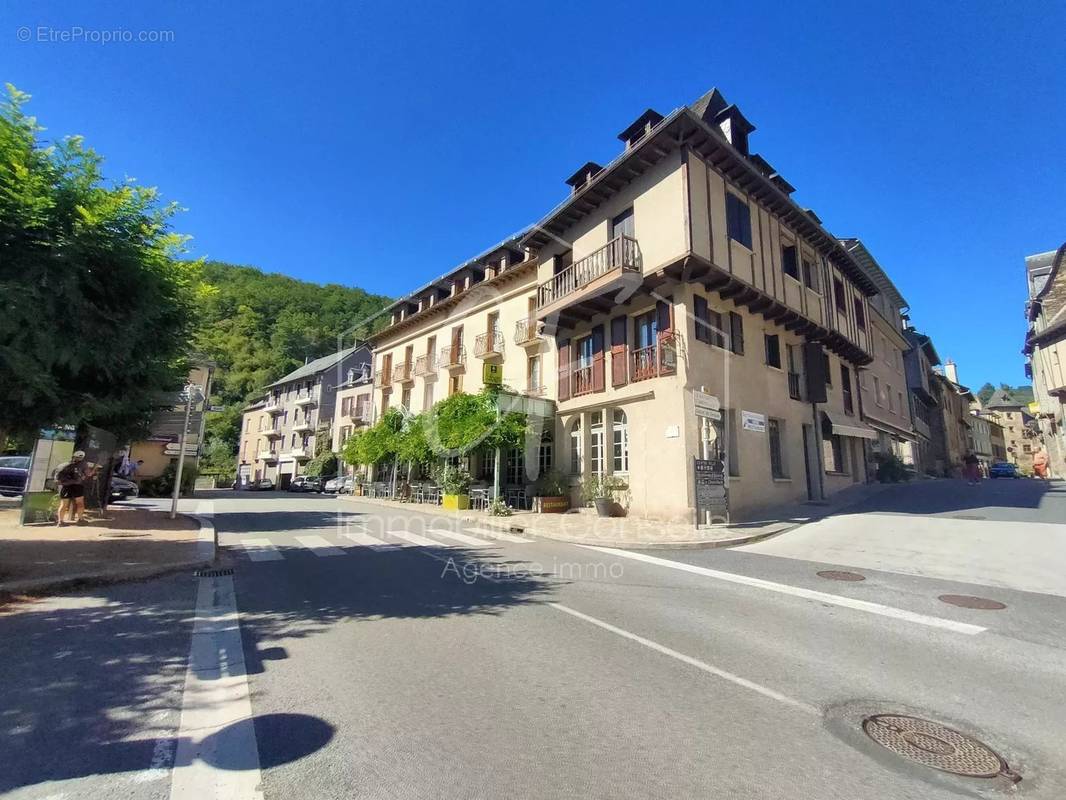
847,426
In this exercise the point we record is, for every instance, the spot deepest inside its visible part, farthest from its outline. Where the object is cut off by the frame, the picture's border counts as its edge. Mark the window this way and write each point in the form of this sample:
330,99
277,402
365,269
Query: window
533,377
775,430
346,431
789,261
793,373
562,261
405,399
877,391
860,313
455,384
576,465
736,333
702,321
620,442
516,467
773,350
810,275
494,326
596,443
826,364
899,396
545,455
838,295
738,220
714,319
427,395
622,225
346,406
891,399
833,453
845,385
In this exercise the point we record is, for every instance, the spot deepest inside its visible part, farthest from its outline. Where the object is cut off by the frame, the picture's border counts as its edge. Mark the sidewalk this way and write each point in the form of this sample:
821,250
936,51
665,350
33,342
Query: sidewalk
583,526
130,544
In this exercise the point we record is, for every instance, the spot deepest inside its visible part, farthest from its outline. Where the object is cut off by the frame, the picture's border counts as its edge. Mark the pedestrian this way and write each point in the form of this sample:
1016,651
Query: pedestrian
972,469
71,479
1040,464
133,469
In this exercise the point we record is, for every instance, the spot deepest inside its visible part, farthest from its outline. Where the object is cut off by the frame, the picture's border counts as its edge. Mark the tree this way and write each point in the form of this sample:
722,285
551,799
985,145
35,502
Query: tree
984,394
463,423
378,443
97,309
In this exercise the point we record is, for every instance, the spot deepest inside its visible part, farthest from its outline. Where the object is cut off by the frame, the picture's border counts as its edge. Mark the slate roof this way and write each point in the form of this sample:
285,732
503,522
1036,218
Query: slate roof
1001,398
316,366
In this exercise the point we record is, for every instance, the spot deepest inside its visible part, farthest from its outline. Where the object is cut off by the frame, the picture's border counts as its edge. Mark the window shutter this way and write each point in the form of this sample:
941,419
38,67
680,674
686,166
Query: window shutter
736,332
618,351
598,382
564,369
699,310
665,317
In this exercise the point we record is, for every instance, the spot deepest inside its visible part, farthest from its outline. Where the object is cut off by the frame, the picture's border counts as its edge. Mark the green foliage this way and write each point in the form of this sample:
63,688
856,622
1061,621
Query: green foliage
462,423
552,484
97,309
890,468
163,485
412,445
452,479
984,394
499,508
378,443
323,465
599,487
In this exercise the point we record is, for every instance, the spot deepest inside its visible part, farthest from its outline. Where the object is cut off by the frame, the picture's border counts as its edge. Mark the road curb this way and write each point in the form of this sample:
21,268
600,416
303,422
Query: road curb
43,587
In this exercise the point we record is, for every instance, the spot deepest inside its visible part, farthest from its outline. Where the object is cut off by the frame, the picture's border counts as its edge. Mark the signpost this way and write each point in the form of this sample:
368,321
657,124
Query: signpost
712,496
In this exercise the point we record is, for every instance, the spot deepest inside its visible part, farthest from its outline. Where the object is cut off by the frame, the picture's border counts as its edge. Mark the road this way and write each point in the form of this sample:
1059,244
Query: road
365,652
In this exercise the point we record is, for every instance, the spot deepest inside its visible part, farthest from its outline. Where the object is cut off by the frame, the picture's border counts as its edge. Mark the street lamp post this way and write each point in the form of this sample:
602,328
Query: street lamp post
192,394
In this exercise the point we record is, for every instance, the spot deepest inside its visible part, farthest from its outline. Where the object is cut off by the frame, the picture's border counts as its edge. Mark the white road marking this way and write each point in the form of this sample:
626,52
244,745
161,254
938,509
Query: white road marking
415,539
807,594
216,733
694,662
495,534
319,546
473,541
366,540
260,550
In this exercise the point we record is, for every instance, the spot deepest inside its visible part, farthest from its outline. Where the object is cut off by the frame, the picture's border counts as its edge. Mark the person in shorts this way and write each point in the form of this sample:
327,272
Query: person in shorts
71,480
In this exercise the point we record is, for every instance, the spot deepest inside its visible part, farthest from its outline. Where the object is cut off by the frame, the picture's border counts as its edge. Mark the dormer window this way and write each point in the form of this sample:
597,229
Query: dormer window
640,128
583,176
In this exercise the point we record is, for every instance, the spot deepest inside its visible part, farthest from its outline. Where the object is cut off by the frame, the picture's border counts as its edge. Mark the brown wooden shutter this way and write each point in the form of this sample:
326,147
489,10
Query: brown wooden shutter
665,317
736,332
598,381
618,352
564,369
702,318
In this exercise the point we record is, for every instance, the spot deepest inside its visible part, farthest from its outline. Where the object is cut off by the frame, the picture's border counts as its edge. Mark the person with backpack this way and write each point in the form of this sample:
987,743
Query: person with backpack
71,479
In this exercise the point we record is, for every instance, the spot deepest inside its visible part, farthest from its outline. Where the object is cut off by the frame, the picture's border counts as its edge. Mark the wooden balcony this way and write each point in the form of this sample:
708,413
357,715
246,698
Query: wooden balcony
527,332
401,373
426,365
581,381
653,361
453,357
580,287
489,345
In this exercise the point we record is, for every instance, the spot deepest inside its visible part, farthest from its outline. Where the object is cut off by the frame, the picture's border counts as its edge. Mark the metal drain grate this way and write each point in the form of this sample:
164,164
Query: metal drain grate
969,601
840,575
213,573
937,746
967,516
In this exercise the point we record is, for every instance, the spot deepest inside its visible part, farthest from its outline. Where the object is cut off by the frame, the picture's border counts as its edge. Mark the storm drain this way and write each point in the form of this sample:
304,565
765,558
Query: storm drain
937,746
840,575
969,601
213,573
967,516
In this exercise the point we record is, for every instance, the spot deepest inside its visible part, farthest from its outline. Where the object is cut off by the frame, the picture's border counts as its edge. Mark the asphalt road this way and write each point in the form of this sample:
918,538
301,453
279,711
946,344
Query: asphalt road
382,657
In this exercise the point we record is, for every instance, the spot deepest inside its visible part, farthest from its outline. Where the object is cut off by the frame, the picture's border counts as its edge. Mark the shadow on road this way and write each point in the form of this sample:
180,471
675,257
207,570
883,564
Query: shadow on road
1024,499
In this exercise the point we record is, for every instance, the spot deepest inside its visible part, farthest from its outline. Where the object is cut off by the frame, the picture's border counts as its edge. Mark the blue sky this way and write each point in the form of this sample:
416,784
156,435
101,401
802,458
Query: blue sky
378,146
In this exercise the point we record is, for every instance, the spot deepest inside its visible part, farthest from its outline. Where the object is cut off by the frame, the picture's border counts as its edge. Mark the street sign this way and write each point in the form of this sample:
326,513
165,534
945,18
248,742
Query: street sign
216,409
750,421
174,449
712,496
492,374
706,405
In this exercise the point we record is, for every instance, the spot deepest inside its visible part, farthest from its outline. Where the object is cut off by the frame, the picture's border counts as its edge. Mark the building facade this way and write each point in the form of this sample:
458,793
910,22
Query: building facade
353,406
163,445
1045,350
883,386
918,362
1019,428
296,412
951,425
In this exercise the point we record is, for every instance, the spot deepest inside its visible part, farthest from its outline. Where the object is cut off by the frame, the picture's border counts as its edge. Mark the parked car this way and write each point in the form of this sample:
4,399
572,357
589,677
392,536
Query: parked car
122,489
14,472
261,485
347,486
305,483
1003,469
333,485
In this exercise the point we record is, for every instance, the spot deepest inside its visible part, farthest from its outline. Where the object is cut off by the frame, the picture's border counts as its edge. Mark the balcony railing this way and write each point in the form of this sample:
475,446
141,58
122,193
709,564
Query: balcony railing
653,361
361,415
305,399
426,365
269,455
383,379
536,391
622,253
273,406
526,332
303,427
299,453
273,433
581,381
452,357
401,373
489,345
794,386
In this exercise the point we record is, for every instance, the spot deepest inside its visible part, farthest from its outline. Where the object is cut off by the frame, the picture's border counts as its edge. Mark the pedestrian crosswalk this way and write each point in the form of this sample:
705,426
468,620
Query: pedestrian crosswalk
357,538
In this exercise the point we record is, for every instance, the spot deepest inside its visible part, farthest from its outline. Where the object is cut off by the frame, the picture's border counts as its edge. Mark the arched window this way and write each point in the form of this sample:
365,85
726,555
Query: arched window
575,447
545,454
620,442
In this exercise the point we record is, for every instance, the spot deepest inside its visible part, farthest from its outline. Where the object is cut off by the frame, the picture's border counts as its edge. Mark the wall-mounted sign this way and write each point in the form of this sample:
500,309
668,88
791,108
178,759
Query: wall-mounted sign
492,374
672,431
750,421
712,496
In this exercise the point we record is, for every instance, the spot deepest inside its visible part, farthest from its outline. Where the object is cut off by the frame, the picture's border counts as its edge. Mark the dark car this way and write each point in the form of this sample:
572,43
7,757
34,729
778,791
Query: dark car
122,489
14,471
305,483
1003,469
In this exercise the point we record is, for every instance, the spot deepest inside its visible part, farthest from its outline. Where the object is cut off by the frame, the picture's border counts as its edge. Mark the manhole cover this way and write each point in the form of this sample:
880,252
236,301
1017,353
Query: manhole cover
212,573
936,746
840,575
969,601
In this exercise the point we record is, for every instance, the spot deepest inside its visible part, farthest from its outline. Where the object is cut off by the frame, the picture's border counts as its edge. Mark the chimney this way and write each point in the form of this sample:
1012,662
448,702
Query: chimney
950,372
640,127
579,179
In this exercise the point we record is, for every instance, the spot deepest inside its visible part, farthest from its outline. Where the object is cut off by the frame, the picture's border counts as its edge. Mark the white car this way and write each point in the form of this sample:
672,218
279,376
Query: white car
333,484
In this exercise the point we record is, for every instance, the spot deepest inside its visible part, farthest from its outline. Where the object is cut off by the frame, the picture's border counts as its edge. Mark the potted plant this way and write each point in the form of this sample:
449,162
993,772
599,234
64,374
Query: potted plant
454,484
600,491
551,494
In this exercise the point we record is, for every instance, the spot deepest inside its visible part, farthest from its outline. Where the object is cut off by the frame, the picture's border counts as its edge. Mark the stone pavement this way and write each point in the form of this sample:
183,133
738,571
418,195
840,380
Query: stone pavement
583,526
129,544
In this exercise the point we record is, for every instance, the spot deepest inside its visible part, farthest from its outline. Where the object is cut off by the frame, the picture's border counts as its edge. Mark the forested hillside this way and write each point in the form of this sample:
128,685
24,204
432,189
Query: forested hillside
257,327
